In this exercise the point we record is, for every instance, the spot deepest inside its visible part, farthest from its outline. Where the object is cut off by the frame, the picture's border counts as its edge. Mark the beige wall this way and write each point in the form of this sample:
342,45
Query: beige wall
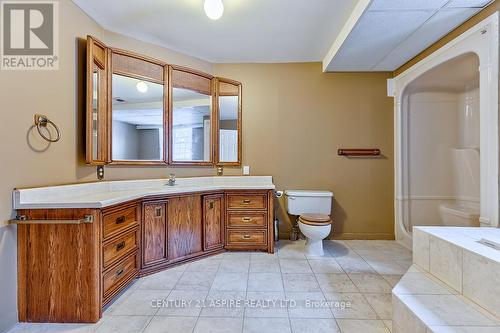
295,118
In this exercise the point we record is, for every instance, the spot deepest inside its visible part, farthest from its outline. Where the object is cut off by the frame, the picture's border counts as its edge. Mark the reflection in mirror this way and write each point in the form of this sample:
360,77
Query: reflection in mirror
228,128
95,112
191,126
137,129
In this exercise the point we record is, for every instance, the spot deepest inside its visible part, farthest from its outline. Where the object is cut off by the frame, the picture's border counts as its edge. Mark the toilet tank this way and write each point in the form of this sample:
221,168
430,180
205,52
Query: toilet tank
308,201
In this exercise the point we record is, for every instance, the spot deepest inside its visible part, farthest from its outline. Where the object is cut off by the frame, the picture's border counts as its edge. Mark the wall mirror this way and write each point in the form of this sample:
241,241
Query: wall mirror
96,102
142,111
229,122
137,120
191,118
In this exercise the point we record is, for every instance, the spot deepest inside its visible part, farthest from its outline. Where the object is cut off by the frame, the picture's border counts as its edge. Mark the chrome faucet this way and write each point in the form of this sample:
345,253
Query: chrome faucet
171,179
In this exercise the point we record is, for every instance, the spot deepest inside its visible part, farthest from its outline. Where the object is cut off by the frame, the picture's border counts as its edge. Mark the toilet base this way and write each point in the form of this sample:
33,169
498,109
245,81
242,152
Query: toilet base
314,247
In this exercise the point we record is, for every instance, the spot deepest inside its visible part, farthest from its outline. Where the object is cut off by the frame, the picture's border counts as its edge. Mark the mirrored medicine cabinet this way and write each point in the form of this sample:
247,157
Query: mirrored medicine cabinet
142,111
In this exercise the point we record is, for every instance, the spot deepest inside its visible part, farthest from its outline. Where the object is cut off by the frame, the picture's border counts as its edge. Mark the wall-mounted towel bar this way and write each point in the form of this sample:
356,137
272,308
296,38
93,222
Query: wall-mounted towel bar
23,219
359,152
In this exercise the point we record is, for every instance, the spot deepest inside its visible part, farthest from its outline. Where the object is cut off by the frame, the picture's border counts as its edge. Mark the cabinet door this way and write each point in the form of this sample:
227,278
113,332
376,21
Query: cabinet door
97,99
228,122
154,233
191,125
213,222
184,226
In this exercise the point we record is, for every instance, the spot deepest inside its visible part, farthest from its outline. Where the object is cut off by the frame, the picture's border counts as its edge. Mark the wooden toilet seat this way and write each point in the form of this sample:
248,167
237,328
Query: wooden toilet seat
315,219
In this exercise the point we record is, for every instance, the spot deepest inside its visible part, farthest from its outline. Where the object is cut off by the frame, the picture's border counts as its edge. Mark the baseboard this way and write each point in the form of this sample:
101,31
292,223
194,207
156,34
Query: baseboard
350,236
367,236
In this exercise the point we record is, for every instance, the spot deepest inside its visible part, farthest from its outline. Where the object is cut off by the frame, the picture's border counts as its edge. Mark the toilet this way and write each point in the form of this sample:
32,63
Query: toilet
464,211
313,209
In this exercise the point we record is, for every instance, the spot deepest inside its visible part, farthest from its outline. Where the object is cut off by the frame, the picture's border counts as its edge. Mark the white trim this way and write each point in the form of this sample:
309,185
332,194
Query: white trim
391,92
482,40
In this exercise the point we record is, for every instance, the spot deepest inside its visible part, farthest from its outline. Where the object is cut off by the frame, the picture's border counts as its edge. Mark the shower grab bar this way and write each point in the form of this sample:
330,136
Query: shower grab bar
359,152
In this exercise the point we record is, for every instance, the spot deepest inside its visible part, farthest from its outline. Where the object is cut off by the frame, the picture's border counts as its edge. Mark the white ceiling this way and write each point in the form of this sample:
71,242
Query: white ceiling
391,32
249,30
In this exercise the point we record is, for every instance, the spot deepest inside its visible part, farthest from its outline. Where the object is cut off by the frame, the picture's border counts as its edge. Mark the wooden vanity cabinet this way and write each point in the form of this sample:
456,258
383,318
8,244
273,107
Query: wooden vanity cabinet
58,267
249,216
184,227
120,248
69,272
213,221
154,233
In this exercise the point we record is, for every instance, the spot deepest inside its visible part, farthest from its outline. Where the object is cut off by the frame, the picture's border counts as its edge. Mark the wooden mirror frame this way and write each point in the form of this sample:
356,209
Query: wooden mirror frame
220,92
98,55
133,65
190,85
117,61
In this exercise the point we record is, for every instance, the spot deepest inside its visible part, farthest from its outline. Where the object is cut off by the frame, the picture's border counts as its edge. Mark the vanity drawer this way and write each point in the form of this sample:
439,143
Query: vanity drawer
117,275
247,201
119,247
117,221
246,237
247,219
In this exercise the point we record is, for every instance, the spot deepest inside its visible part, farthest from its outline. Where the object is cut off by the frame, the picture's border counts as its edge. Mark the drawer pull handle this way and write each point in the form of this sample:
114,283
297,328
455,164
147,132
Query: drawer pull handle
246,219
158,212
119,272
247,201
120,246
246,236
120,220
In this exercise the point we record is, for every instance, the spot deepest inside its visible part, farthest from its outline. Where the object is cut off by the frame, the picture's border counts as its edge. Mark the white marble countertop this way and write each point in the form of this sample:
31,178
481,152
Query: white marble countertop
107,193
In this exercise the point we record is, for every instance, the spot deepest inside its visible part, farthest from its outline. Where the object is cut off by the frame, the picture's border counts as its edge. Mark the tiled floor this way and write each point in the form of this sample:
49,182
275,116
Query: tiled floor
348,290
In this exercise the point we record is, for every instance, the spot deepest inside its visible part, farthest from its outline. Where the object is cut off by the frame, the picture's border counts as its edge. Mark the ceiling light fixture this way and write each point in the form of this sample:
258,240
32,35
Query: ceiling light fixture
214,9
142,87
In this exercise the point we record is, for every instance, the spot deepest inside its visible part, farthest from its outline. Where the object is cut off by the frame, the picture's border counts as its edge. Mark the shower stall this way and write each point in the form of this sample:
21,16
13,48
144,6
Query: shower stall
446,135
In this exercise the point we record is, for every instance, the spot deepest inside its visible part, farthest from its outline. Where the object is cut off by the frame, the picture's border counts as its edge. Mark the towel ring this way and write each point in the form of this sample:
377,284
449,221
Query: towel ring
42,121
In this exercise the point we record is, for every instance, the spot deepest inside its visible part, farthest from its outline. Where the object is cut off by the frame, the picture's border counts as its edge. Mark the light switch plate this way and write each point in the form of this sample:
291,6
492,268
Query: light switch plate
246,170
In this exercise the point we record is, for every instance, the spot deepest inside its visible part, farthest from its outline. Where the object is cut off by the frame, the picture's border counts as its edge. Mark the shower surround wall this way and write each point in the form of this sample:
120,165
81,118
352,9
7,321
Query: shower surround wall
438,123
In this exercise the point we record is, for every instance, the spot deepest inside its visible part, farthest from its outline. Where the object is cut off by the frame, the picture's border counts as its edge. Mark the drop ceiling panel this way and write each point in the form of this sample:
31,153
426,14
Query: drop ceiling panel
467,3
440,24
391,32
375,35
406,4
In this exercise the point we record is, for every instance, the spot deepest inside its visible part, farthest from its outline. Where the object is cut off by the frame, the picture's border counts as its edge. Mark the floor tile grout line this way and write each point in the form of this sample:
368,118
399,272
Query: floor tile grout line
147,325
208,293
324,295
356,286
284,293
